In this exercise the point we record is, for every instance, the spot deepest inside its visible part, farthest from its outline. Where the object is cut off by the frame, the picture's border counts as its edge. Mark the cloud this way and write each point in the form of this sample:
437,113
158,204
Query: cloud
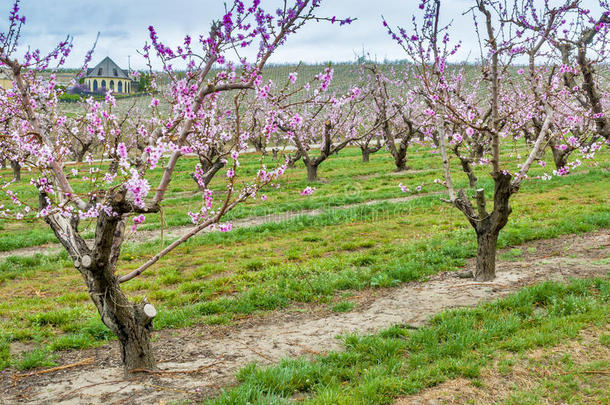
123,26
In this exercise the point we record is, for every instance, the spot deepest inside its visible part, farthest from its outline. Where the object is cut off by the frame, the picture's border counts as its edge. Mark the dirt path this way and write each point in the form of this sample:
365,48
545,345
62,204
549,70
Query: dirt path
176,232
301,330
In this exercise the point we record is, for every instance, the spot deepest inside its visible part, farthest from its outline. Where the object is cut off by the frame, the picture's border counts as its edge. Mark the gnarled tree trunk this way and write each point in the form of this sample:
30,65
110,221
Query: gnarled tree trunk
312,171
130,322
259,146
400,159
16,166
367,150
366,154
560,157
292,160
487,243
79,153
488,226
209,171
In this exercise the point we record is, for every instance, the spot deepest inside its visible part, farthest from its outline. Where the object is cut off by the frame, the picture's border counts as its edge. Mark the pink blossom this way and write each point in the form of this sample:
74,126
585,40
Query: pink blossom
225,227
137,188
137,220
308,191
121,150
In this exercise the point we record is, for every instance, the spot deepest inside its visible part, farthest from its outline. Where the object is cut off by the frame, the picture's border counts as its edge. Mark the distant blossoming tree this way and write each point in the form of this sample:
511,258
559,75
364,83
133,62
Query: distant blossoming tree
397,109
578,51
320,123
478,122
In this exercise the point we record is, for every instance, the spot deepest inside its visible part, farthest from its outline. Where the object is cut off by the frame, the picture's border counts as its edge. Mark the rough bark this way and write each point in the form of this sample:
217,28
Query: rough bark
209,171
128,321
259,146
487,243
487,226
312,171
367,149
366,155
79,154
16,166
560,158
293,159
400,158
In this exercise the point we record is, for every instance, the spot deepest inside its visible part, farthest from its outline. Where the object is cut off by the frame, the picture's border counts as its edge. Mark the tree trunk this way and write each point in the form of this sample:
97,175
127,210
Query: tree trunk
130,322
400,156
292,160
209,171
488,225
16,166
259,146
79,154
400,160
487,244
365,155
560,157
312,172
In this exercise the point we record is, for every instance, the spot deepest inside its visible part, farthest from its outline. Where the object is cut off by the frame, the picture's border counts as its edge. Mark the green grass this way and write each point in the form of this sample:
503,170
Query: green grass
376,369
348,181
343,306
218,277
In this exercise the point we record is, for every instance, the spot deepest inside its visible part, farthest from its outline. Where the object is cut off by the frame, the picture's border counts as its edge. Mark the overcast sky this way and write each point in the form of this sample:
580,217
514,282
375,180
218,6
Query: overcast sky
123,27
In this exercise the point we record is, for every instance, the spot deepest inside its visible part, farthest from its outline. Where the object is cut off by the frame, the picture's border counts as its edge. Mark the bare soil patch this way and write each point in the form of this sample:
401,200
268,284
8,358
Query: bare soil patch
218,352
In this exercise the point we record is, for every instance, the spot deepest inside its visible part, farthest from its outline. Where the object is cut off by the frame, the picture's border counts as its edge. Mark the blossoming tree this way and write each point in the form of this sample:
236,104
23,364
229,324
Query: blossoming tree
584,58
574,42
395,106
478,121
324,120
118,196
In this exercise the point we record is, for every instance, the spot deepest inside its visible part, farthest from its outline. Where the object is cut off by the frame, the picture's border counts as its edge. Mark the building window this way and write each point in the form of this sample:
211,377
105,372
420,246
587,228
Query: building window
112,84
99,72
115,72
104,84
95,85
120,87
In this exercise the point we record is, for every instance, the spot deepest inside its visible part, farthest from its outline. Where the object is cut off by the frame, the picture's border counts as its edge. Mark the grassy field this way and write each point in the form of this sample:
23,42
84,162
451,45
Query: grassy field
494,338
344,181
216,278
